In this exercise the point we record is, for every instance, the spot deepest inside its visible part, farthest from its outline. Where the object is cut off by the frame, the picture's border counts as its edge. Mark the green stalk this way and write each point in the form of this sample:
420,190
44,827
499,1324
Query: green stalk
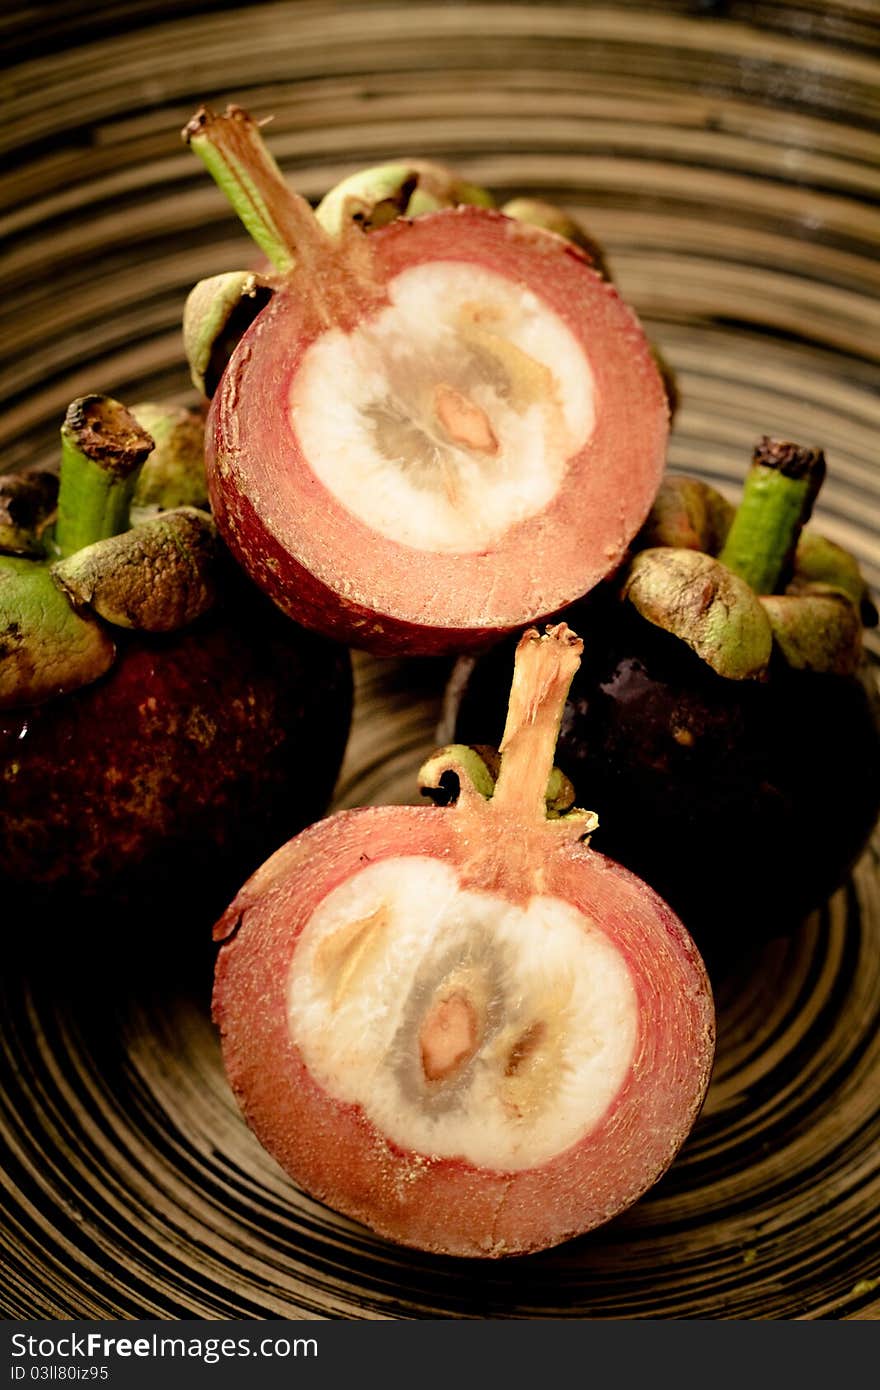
103,449
280,221
777,501
234,153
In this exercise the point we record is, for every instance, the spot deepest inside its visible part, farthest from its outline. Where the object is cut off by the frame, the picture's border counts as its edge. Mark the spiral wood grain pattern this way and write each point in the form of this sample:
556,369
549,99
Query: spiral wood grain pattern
727,155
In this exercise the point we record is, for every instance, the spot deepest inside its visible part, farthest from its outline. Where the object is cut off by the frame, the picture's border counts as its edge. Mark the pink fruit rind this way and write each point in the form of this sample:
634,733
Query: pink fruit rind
333,1150
329,570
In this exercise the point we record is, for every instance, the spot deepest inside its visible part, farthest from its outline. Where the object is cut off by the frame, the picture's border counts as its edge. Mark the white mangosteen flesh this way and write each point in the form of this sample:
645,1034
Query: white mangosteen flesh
462,1023
449,416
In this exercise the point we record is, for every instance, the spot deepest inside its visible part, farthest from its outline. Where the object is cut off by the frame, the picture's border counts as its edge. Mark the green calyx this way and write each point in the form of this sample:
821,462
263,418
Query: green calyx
157,577
27,507
46,648
689,514
174,473
92,568
698,600
281,222
743,586
816,630
374,197
819,561
371,198
217,313
440,777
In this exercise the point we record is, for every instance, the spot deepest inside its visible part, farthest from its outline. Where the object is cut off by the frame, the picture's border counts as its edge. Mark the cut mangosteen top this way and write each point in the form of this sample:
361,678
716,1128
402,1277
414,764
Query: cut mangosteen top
433,433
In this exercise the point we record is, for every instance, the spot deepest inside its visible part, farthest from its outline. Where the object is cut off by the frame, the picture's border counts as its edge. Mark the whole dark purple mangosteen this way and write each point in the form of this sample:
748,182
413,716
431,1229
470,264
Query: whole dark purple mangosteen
724,719
162,726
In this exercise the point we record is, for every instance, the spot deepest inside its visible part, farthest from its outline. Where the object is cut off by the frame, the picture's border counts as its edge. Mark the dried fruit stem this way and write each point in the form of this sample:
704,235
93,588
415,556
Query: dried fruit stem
103,449
777,500
543,671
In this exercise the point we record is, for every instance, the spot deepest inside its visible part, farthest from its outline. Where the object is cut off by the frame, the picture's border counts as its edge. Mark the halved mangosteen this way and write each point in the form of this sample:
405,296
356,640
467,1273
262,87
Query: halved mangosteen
434,433
462,1026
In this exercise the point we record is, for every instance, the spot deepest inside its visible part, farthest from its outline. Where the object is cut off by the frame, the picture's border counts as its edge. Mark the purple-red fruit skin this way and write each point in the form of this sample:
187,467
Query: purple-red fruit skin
176,773
745,804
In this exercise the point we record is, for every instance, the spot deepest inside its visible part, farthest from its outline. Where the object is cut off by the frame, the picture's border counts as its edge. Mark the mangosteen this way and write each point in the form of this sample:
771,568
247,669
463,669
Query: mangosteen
432,433
725,717
460,1024
162,725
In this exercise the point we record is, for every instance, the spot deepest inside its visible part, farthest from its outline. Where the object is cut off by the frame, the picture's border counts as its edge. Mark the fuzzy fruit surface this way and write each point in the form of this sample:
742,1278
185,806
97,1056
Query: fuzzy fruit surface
744,803
174,774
